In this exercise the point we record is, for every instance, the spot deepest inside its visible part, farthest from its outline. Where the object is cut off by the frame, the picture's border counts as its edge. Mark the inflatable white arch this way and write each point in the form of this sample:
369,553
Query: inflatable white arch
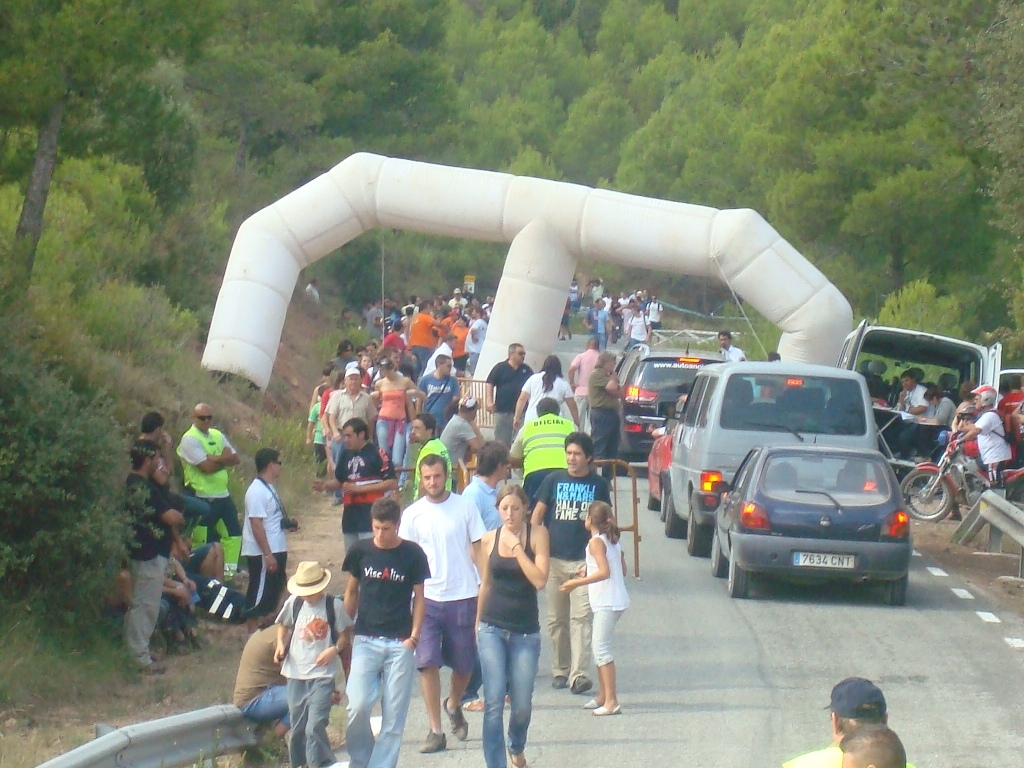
549,224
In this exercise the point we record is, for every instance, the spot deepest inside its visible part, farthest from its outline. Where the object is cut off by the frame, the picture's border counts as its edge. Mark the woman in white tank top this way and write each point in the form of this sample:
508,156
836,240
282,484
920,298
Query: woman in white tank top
606,580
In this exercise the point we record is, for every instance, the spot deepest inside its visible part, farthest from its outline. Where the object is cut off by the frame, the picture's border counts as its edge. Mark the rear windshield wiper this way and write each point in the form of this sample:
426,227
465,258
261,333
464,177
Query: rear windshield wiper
828,495
791,430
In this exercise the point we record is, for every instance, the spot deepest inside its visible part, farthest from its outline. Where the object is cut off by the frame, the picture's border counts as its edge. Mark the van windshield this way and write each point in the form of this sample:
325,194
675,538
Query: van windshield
800,404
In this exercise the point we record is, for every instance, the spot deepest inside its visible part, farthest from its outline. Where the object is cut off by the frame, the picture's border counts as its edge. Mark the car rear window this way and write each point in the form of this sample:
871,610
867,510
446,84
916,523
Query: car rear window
669,375
849,481
801,404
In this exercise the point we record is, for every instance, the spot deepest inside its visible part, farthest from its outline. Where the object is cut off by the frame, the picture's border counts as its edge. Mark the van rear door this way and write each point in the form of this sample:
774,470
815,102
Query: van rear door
851,347
994,365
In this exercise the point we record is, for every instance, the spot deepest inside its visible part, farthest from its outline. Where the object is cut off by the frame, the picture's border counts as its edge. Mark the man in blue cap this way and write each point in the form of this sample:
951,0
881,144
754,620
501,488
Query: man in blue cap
856,702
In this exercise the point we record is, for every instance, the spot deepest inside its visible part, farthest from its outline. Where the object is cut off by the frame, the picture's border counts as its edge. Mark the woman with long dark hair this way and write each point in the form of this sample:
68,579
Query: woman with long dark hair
547,382
508,624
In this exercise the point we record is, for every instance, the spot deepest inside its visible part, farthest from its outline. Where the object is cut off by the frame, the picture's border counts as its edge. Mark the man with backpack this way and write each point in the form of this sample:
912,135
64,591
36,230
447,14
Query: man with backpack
993,434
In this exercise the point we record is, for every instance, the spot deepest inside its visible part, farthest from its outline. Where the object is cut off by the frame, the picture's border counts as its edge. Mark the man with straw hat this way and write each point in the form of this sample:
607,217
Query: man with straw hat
311,632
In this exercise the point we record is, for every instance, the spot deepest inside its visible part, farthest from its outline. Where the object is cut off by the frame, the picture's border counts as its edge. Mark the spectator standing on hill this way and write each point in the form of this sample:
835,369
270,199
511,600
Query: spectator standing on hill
345,355
206,455
392,393
264,544
562,503
310,638
444,349
638,330
579,374
448,528
153,522
728,350
386,595
363,475
315,431
603,393
514,564
261,691
475,340
654,311
423,335
548,382
504,383
440,388
460,355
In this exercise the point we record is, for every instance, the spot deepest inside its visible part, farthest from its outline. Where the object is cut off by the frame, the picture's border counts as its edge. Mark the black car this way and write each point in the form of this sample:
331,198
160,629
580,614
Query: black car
813,514
652,382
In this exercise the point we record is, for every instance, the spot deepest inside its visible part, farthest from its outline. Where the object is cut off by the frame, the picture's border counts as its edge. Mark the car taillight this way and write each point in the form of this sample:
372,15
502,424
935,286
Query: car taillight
634,427
635,394
754,517
897,525
708,478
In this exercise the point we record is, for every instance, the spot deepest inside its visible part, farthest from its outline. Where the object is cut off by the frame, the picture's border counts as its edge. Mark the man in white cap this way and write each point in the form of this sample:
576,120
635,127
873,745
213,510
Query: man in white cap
311,634
990,431
348,402
458,301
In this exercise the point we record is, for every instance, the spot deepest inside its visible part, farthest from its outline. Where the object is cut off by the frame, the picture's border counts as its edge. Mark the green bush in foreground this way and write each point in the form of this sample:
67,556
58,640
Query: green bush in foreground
62,525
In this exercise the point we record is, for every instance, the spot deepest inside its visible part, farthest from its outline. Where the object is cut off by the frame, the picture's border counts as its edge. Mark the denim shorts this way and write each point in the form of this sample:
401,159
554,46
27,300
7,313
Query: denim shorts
448,636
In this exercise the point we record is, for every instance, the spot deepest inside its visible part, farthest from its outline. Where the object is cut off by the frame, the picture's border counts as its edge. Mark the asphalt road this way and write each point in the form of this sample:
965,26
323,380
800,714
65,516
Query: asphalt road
720,683
709,681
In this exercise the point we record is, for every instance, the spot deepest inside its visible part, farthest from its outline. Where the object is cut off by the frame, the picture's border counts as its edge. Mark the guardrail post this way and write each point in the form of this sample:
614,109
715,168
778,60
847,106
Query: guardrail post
970,526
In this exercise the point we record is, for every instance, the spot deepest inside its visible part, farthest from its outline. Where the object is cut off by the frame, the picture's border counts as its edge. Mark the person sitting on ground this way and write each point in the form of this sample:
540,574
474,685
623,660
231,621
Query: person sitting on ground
856,703
461,435
873,746
260,689
177,619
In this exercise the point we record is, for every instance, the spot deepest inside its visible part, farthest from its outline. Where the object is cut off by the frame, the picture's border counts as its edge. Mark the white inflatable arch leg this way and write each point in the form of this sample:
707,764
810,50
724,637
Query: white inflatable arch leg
558,222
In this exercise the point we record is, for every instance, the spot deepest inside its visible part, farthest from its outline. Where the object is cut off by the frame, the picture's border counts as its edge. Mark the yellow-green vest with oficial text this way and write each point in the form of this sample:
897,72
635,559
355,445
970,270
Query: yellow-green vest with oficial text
433,447
212,484
544,443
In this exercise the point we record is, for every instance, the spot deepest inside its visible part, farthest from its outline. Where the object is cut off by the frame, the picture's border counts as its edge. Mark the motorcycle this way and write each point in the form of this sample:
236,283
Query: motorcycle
932,491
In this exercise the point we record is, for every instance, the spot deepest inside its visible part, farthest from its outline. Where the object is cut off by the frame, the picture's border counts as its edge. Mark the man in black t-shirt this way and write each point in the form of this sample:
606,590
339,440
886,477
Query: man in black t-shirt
153,523
504,383
386,576
363,475
562,503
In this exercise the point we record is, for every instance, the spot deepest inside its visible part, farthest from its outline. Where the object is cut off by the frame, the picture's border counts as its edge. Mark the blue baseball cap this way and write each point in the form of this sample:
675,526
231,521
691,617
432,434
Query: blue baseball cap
857,698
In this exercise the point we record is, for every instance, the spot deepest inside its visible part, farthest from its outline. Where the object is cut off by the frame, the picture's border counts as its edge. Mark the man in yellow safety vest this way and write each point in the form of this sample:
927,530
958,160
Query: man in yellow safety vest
205,456
539,448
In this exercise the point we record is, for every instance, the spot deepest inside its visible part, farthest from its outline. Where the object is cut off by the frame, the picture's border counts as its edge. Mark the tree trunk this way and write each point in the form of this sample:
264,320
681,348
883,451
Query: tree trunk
243,148
30,224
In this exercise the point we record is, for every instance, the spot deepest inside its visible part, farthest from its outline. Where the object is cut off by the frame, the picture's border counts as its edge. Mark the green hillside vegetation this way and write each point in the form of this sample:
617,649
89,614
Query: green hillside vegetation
882,139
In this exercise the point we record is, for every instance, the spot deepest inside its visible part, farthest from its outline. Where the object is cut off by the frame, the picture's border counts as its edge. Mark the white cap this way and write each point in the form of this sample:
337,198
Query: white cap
353,368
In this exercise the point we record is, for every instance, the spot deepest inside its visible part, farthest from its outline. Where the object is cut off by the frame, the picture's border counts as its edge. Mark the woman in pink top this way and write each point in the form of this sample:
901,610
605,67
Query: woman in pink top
579,373
390,394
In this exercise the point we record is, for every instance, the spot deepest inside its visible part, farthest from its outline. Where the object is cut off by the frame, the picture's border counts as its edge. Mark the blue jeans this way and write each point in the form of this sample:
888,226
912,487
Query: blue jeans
505,655
397,452
309,707
382,668
270,706
602,341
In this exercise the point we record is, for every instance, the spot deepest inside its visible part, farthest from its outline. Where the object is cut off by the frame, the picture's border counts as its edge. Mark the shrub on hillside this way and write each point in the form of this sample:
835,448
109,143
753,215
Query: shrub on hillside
62,526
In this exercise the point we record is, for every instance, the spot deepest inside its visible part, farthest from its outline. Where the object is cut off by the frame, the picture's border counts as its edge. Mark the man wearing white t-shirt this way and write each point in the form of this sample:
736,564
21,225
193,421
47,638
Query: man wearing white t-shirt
654,310
449,529
264,546
444,348
638,329
728,350
475,339
989,430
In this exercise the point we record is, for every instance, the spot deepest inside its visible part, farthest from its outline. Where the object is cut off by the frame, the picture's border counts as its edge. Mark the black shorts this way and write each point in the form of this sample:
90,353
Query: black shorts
265,589
460,363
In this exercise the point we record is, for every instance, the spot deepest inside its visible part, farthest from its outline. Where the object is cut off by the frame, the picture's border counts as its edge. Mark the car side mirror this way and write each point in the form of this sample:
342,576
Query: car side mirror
720,487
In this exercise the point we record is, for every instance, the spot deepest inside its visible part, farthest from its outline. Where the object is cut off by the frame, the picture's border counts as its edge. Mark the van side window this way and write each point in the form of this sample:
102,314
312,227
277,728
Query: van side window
705,402
693,401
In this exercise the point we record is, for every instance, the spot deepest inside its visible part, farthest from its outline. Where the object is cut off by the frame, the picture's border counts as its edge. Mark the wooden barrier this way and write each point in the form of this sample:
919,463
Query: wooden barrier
478,389
634,526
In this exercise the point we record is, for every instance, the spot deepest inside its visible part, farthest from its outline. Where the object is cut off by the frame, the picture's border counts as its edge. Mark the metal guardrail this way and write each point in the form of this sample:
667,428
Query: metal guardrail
1003,518
170,742
687,335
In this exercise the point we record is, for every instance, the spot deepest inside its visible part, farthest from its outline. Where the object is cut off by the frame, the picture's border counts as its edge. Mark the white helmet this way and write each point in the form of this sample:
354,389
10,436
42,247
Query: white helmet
986,396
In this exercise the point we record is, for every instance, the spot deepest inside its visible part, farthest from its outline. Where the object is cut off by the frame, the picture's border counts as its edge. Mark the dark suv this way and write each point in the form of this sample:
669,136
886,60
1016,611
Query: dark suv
652,382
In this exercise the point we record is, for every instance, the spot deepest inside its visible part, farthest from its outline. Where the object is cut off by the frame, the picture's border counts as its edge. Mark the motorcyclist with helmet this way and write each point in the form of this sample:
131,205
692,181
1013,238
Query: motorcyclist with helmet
989,432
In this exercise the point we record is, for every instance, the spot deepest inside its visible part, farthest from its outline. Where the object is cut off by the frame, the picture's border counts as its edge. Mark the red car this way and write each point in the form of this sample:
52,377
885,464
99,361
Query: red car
660,457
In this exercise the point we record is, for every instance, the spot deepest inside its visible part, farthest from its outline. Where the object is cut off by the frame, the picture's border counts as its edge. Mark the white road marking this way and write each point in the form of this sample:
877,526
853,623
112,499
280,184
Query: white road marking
936,571
991,618
915,553
1014,642
963,594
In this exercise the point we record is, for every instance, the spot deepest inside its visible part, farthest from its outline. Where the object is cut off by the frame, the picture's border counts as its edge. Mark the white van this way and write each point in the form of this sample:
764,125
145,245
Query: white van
734,407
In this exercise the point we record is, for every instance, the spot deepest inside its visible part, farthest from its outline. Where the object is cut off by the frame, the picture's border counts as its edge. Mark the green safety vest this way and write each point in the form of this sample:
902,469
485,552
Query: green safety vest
544,443
208,485
829,757
433,447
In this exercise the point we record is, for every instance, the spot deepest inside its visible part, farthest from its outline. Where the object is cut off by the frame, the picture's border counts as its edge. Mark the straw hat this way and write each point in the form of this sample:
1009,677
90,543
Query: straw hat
310,577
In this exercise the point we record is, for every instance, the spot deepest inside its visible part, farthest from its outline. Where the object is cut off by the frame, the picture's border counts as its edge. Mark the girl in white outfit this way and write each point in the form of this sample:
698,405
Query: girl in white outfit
605,579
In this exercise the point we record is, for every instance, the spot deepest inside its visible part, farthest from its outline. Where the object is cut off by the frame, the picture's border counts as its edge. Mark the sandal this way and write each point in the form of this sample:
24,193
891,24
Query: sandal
592,704
605,712
476,705
518,761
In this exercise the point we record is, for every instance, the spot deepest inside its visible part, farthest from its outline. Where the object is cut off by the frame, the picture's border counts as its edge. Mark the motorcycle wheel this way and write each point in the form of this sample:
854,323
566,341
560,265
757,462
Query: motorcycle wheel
936,507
